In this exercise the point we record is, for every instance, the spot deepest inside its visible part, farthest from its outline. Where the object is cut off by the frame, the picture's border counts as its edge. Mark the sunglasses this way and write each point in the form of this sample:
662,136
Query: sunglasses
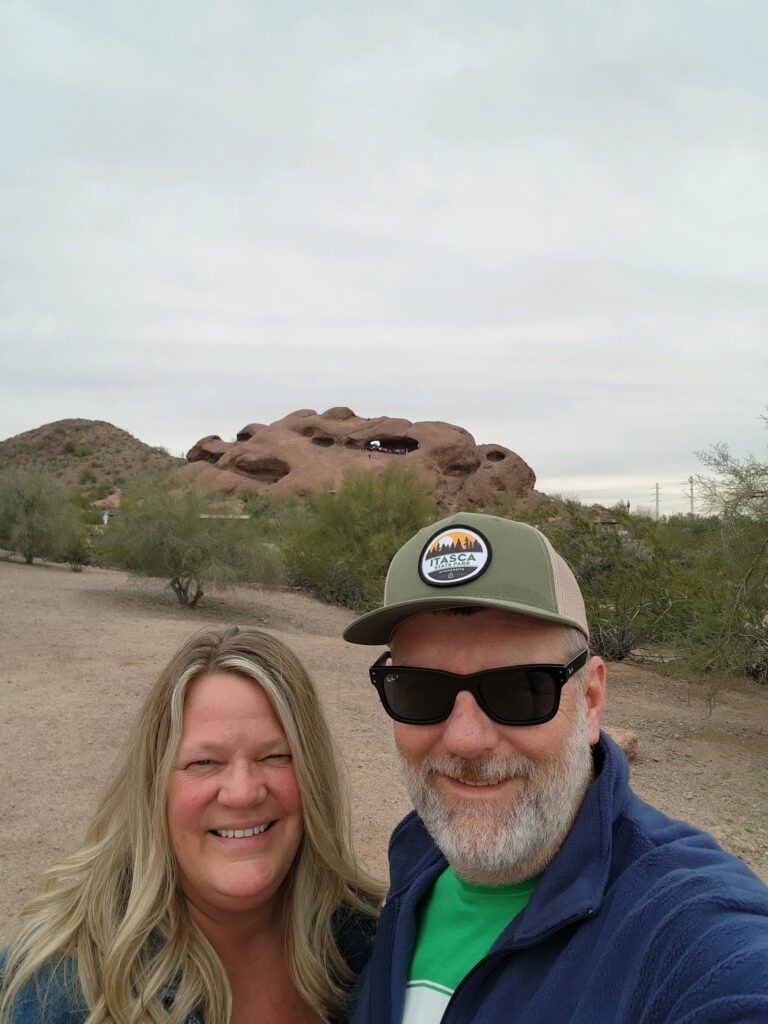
517,695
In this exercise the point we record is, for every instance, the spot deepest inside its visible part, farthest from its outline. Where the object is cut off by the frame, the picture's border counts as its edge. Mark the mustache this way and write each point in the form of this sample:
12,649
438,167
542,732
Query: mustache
478,769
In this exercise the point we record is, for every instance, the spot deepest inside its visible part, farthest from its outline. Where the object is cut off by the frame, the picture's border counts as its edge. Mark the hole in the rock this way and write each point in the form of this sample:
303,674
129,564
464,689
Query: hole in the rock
245,435
456,469
323,441
392,445
495,456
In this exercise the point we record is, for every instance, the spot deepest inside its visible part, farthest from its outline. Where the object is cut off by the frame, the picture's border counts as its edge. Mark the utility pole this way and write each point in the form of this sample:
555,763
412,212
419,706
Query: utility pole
657,501
690,481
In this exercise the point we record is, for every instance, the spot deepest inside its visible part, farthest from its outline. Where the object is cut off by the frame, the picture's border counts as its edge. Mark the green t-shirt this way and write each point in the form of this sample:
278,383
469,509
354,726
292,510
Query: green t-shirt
458,924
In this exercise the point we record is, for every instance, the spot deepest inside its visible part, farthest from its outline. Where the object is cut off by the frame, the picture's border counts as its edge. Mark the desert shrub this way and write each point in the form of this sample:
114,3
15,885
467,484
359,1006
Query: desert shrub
256,505
732,621
340,547
634,591
87,513
101,489
77,552
184,538
37,516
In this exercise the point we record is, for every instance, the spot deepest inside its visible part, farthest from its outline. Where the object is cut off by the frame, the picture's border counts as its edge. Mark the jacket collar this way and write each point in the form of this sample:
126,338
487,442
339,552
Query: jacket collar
572,886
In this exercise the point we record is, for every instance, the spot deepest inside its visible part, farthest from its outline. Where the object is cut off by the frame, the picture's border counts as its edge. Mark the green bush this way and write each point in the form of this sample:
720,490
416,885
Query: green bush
731,626
37,516
635,593
340,547
186,539
77,552
256,505
632,590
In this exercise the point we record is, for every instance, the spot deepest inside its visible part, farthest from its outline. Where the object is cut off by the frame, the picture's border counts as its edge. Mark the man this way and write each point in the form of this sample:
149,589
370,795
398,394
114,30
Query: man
532,884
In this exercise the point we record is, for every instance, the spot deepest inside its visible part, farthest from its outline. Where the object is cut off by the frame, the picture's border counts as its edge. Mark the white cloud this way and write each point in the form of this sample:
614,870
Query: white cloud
546,223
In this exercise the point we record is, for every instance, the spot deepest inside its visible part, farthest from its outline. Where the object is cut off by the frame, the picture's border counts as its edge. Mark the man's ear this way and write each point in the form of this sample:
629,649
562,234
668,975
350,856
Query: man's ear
594,696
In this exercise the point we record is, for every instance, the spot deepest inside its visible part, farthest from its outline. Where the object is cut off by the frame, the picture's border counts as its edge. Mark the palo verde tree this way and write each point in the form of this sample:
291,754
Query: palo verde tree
635,593
187,539
632,589
733,626
341,546
38,518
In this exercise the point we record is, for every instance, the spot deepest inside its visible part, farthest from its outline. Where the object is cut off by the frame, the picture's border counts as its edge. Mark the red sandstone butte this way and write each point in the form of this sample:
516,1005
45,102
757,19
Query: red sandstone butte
306,451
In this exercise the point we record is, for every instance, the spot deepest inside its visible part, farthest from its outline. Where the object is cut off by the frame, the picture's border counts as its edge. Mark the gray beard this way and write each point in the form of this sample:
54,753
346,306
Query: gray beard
499,844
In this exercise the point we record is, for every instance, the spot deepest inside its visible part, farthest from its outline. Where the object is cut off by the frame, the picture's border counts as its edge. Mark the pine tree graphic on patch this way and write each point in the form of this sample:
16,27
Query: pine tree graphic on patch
453,556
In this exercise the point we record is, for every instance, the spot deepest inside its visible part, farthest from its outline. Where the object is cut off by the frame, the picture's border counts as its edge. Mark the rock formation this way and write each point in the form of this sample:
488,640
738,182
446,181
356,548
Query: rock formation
305,451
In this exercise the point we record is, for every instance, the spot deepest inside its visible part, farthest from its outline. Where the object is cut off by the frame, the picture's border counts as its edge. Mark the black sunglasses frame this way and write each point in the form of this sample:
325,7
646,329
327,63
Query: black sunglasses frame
559,674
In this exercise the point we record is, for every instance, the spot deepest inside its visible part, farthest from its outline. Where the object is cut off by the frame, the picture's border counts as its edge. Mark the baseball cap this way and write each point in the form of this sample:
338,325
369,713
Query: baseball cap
473,559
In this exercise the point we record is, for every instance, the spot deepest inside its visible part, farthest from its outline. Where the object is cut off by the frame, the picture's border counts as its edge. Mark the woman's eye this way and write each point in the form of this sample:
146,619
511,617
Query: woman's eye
279,758
203,762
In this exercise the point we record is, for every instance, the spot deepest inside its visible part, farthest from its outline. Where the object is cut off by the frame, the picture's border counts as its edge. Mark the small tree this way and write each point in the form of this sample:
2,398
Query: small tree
340,548
737,636
630,586
182,538
633,590
37,516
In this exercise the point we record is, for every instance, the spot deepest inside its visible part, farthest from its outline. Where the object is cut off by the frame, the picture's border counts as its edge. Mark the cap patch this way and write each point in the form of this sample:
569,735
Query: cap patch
455,555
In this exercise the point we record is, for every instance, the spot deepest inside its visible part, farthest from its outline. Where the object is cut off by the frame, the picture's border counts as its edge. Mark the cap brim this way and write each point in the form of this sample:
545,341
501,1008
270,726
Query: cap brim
376,627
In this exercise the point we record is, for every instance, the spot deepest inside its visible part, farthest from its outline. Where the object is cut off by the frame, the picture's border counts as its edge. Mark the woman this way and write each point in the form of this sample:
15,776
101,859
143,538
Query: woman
216,882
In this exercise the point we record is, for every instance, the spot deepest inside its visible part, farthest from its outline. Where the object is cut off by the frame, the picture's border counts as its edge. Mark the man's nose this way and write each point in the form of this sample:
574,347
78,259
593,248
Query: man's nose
468,731
243,785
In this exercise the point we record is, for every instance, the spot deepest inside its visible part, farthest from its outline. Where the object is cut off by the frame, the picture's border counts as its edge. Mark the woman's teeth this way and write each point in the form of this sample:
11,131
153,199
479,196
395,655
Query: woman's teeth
241,833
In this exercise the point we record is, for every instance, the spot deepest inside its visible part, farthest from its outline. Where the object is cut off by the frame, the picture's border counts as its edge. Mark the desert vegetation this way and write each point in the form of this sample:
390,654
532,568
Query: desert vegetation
188,539
38,516
688,590
96,456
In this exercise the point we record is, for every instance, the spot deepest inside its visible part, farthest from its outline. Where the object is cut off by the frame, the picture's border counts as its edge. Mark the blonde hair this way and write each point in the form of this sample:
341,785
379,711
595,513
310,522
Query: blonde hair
114,910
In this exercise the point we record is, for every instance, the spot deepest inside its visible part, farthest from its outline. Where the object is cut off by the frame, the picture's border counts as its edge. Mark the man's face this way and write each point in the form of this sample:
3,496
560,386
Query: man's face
498,799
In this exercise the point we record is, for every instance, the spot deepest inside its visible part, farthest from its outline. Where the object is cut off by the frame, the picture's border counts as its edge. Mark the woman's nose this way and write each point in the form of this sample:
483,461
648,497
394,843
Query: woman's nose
243,786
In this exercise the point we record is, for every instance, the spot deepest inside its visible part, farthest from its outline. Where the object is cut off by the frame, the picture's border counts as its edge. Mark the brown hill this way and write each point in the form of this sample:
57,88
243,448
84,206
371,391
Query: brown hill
97,455
305,451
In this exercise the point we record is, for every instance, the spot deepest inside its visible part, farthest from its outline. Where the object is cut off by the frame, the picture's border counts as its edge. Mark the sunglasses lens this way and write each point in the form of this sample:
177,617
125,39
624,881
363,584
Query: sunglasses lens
519,697
512,696
418,696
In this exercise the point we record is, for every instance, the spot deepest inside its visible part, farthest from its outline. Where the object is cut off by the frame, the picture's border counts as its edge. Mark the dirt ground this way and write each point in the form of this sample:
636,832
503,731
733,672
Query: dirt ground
80,650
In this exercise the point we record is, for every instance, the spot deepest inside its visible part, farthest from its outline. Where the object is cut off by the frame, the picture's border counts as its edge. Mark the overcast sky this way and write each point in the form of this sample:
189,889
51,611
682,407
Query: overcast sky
545,221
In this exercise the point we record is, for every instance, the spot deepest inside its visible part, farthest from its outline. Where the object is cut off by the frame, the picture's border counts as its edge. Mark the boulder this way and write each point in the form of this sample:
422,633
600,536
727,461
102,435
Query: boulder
625,738
306,451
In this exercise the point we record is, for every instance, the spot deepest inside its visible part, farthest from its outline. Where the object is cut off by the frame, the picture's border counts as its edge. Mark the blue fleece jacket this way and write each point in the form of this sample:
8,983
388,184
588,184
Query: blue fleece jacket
639,919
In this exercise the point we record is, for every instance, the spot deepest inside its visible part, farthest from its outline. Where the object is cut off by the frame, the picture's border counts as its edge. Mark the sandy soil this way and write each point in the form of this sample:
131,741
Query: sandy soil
80,650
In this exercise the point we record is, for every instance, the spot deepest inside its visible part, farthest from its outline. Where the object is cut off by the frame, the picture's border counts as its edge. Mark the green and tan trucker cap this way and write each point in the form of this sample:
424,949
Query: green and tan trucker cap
471,559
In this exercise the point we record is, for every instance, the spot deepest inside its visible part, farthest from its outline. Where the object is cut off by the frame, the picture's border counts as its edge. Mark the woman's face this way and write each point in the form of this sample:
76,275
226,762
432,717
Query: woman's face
234,807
